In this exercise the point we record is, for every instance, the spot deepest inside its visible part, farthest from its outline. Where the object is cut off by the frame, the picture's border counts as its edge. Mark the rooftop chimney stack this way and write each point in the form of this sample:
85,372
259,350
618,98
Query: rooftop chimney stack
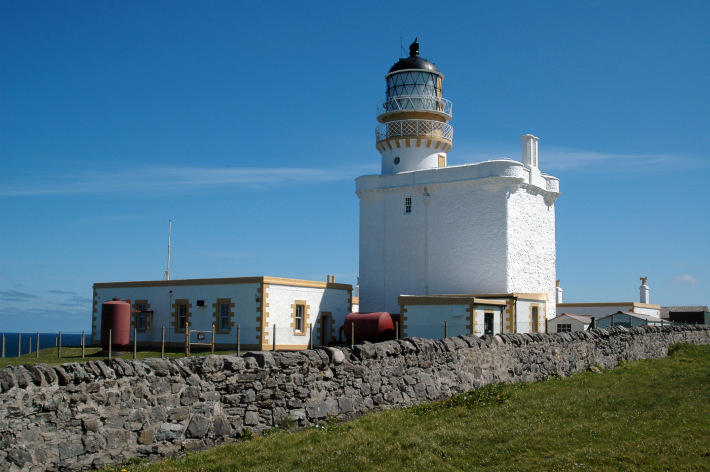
529,150
644,291
559,292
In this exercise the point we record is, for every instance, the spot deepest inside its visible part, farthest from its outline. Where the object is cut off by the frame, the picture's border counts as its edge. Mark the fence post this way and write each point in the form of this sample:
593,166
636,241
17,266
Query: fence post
83,343
135,343
446,329
352,334
274,338
59,347
162,344
239,340
396,330
187,340
110,342
310,336
19,344
29,348
212,338
37,350
612,320
3,346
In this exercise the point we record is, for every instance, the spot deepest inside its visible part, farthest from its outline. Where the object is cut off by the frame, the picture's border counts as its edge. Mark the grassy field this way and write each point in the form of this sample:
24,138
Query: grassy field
92,353
649,415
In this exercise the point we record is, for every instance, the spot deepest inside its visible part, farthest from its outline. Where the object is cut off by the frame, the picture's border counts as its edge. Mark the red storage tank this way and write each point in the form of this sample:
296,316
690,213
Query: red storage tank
116,316
373,327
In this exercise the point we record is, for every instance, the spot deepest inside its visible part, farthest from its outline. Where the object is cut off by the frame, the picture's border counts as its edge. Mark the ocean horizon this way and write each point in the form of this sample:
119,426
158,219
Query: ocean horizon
46,340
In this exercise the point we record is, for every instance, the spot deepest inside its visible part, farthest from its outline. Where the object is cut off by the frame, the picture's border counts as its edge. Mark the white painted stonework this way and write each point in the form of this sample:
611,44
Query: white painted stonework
473,229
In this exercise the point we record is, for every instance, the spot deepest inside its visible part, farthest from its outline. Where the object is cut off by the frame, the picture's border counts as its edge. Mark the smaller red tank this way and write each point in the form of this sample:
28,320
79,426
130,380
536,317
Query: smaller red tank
116,316
373,327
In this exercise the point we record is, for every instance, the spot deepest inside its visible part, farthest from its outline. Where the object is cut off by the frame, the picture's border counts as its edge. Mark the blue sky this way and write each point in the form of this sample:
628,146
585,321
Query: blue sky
246,123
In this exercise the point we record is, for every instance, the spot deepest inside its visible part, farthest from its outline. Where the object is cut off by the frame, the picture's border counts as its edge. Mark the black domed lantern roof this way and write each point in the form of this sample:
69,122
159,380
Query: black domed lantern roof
414,61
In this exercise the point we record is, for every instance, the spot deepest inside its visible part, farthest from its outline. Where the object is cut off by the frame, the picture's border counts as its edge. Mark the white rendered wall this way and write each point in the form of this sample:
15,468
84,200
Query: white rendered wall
410,158
280,312
456,239
531,246
595,311
428,321
161,300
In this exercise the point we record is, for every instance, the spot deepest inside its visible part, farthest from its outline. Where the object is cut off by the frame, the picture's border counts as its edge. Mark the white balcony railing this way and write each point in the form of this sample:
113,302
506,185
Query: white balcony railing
412,102
434,129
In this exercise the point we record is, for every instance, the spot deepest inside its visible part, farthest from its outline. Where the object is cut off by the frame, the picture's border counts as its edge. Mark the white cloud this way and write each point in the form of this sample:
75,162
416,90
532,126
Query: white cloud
148,179
686,279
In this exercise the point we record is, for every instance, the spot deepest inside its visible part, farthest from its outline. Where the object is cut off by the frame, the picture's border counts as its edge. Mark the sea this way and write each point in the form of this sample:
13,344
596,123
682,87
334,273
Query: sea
46,340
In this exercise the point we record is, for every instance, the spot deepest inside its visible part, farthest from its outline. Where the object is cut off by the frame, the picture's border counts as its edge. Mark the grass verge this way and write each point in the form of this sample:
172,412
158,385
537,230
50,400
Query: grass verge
649,415
92,353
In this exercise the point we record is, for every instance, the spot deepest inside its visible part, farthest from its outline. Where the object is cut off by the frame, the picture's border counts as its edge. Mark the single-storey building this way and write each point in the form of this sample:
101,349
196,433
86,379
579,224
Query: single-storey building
686,314
628,320
263,311
599,310
433,316
568,323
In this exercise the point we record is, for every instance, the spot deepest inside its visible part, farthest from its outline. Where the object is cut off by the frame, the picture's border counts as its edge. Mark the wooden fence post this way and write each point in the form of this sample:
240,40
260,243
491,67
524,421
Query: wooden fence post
239,340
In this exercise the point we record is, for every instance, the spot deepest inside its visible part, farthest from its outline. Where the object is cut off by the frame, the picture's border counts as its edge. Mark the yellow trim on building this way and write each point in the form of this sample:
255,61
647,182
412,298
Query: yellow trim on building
223,281
304,322
230,317
188,314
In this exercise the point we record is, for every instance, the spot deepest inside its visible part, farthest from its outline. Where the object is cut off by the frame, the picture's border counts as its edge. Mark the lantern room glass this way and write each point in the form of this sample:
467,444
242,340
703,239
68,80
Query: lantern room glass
422,89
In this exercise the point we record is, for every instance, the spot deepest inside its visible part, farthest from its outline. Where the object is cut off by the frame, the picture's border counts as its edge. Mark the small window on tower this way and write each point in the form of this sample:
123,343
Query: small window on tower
407,204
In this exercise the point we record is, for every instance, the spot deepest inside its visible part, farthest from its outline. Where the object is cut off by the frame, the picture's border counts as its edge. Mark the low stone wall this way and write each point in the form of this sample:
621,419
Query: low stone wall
86,415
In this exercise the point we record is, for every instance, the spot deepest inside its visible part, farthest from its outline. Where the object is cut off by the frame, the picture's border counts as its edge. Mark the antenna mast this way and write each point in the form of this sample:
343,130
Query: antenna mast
170,228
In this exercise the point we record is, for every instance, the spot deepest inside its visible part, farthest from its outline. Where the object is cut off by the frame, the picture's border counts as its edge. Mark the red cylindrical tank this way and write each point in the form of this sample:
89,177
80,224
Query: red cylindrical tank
373,327
116,316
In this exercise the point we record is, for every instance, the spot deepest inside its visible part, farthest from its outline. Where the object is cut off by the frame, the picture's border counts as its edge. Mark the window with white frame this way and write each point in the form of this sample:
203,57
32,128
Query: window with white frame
140,317
224,316
564,328
298,327
407,205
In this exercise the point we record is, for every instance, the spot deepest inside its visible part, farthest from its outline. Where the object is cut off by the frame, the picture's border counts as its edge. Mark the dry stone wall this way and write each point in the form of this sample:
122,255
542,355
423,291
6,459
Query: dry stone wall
78,416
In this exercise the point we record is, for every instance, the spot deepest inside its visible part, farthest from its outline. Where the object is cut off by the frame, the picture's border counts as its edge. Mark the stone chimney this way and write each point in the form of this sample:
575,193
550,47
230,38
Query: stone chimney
529,150
644,291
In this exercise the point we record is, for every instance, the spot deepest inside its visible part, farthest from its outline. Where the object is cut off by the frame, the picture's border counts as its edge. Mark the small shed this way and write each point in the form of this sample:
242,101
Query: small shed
686,314
628,320
568,323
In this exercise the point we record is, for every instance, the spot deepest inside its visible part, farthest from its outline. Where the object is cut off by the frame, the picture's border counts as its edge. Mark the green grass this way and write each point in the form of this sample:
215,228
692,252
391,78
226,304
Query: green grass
92,353
649,415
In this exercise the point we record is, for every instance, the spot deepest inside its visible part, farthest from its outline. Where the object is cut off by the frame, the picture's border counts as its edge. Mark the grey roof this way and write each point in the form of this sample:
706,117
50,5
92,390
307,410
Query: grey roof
586,319
635,315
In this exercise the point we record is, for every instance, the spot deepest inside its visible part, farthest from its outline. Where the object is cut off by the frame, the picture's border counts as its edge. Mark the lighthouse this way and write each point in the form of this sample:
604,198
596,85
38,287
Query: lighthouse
430,229
414,133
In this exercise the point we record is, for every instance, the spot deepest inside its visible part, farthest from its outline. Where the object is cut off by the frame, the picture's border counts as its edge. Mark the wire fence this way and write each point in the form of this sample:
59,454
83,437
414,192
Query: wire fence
276,337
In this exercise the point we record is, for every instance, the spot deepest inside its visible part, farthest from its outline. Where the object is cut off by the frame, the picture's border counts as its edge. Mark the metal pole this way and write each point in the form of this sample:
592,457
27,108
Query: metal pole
110,342
212,338
352,334
239,340
135,342
83,343
37,350
446,329
59,347
396,330
162,344
19,344
274,337
310,337
187,340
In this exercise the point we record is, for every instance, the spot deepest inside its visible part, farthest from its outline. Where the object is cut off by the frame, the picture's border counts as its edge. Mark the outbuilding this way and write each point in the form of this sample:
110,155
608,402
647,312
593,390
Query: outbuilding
569,323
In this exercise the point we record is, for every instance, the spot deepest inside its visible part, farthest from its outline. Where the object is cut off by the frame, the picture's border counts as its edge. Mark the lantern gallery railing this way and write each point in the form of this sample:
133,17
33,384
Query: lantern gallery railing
394,129
412,102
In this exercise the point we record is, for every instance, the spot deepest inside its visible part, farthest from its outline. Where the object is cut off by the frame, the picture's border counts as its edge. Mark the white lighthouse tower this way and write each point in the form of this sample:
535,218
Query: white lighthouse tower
430,229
